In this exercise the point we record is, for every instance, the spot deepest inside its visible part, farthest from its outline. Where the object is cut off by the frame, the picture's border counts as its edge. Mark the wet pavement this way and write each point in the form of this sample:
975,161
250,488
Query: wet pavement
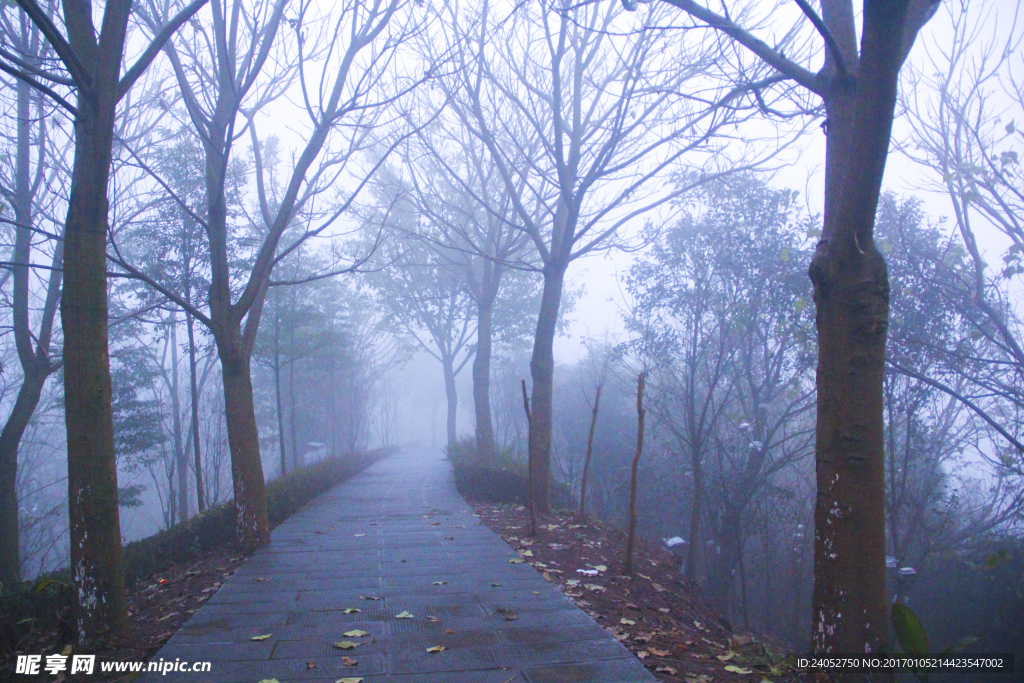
398,532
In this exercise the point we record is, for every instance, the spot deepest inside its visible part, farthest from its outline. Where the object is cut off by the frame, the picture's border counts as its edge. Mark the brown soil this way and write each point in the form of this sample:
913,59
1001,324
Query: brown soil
157,608
656,613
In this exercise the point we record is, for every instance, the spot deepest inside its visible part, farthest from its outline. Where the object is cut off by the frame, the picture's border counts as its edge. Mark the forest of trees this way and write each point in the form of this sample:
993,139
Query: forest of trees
233,224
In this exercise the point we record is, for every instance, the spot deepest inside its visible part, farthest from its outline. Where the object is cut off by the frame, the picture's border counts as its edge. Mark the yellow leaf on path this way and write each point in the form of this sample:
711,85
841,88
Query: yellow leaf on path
269,680
598,567
516,560
437,648
658,587
666,670
357,633
433,620
349,680
738,669
263,637
726,657
404,615
440,583
351,610
643,576
348,661
346,645
664,610
359,535
642,654
594,587
526,553
628,622
660,653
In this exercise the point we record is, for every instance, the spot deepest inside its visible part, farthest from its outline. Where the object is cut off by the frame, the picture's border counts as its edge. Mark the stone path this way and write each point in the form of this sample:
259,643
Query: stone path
398,531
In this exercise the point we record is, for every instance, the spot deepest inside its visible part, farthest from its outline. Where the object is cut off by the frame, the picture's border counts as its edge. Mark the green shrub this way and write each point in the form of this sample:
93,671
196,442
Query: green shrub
499,479
39,603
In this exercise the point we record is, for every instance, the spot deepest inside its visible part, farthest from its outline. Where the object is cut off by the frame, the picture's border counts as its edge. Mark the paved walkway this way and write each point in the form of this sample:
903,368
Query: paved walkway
400,532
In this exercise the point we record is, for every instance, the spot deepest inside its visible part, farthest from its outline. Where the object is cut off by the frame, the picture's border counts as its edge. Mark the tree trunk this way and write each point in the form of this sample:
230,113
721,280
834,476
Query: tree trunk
96,566
542,370
194,391
851,293
452,397
695,510
10,438
482,380
252,527
180,456
590,450
631,533
277,386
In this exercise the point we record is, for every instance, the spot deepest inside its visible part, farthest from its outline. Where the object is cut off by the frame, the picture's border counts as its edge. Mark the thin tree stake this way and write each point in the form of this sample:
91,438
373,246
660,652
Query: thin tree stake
590,449
631,536
529,464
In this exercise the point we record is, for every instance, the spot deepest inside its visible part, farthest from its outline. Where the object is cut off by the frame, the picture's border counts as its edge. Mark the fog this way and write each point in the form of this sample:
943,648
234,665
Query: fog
365,239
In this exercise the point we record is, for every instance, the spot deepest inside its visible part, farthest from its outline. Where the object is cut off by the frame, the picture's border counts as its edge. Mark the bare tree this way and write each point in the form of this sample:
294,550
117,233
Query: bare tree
964,105
32,189
612,112
851,292
91,61
229,70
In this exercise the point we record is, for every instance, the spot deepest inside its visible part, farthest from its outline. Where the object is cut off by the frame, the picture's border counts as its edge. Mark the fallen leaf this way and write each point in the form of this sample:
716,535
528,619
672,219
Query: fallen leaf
437,648
516,560
440,583
628,622
263,637
510,617
261,578
403,615
659,653
587,572
368,597
598,567
666,670
357,633
349,680
572,582
643,576
351,610
526,553
702,678
726,657
642,654
738,669
495,585
658,587
359,535
269,680
349,661
346,645
448,630
664,610
310,665
594,587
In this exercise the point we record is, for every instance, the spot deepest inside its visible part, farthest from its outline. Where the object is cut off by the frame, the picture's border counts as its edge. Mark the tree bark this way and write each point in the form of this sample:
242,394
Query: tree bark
277,386
452,398
542,370
851,293
635,471
180,456
194,392
96,566
482,378
696,468
590,450
252,526
10,438
34,355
